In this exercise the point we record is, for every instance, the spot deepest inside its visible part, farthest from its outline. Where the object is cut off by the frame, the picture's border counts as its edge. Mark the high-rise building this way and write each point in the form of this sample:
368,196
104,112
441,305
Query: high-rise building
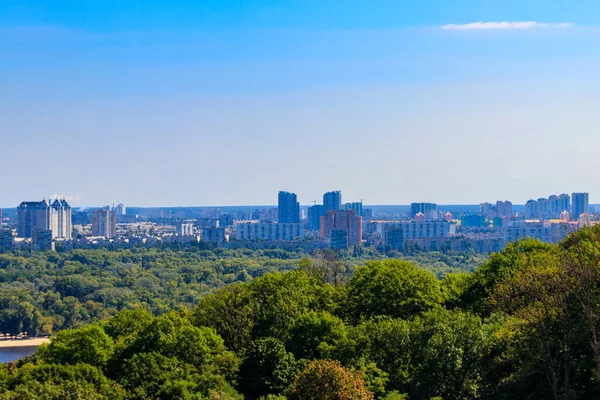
216,235
6,240
422,208
332,201
356,206
580,204
104,223
346,221
550,207
504,209
120,209
41,240
314,217
367,214
288,208
44,215
62,220
185,229
486,209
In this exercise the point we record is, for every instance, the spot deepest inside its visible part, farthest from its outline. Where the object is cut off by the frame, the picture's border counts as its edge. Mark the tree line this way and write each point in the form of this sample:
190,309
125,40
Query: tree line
42,293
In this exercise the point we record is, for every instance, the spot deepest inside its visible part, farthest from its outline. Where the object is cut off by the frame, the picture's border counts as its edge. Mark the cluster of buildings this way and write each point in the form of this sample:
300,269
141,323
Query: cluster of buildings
422,227
332,223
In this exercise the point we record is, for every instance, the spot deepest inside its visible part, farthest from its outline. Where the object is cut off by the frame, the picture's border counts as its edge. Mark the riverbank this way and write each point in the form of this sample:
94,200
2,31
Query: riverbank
28,342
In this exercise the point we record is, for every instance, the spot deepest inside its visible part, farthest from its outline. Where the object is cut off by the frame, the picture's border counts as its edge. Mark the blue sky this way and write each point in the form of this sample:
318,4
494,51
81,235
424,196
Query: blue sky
226,102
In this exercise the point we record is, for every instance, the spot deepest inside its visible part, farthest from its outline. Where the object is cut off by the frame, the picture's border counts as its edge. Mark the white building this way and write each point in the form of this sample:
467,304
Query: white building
120,209
528,229
185,229
414,229
45,215
269,231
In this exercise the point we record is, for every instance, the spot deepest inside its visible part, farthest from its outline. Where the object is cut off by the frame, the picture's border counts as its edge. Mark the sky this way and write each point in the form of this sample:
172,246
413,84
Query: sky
219,102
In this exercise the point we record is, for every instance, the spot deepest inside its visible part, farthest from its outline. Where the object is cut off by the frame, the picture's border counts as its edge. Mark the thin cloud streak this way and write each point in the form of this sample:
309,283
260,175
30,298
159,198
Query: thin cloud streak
504,25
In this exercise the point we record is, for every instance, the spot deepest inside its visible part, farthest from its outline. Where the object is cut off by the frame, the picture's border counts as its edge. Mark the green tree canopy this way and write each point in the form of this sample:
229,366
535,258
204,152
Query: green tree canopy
394,288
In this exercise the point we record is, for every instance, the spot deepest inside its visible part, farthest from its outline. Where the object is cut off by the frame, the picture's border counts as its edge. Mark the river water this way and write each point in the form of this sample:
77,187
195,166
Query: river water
8,354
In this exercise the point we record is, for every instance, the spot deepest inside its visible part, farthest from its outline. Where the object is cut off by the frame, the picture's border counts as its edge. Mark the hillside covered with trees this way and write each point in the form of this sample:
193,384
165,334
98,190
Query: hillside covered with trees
524,325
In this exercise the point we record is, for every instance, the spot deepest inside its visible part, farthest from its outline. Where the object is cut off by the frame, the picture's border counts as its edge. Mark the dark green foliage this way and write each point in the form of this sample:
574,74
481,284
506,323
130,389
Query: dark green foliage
232,312
57,382
315,335
267,368
281,298
90,345
522,326
394,288
500,266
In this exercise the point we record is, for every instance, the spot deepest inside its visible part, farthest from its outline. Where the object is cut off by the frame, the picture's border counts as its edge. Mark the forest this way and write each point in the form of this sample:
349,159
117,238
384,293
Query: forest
42,293
522,325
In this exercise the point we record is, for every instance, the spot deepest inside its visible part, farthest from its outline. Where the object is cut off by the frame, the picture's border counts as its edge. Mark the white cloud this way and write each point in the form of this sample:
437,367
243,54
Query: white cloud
504,25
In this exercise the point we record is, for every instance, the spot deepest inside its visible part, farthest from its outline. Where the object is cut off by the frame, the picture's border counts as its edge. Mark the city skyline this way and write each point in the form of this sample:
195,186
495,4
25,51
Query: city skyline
274,203
220,103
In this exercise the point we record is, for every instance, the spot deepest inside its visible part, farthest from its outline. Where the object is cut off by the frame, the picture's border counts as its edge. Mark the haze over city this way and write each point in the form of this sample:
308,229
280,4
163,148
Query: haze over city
226,103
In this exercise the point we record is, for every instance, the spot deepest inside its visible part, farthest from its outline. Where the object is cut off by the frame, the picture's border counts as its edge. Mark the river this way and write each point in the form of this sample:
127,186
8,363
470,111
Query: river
8,354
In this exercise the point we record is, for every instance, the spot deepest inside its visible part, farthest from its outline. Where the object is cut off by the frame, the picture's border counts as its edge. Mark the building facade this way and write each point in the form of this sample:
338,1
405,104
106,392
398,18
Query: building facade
104,223
185,229
528,229
6,240
269,231
314,217
504,209
120,209
215,235
357,206
288,209
422,208
580,205
332,200
550,207
45,215
41,240
346,221
412,229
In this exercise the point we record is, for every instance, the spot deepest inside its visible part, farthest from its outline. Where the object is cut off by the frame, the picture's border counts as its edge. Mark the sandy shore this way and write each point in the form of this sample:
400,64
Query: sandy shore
23,342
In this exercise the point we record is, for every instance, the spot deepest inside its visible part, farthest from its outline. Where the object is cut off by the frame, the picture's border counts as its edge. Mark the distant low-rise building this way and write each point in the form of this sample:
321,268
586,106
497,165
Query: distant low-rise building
472,221
269,231
395,237
528,229
215,235
412,229
226,220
